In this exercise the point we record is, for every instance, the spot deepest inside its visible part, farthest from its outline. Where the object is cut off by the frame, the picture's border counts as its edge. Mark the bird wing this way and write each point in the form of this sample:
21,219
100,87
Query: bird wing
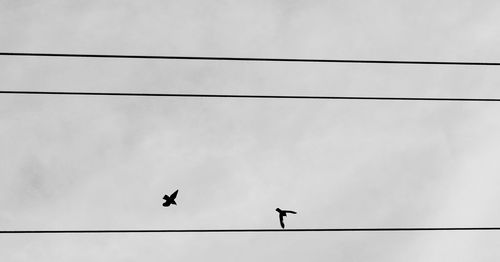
290,211
281,222
174,195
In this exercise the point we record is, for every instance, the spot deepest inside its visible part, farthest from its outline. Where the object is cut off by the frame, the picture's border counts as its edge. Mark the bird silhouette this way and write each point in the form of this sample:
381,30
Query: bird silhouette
170,200
282,214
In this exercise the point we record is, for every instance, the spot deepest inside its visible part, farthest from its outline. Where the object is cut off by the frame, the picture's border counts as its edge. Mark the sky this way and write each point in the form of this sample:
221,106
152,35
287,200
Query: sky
71,162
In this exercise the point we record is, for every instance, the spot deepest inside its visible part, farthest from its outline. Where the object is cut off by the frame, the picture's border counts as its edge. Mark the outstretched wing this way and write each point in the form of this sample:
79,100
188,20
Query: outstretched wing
290,211
174,195
281,222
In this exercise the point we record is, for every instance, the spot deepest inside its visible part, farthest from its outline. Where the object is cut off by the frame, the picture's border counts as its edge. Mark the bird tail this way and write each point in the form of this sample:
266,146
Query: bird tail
173,202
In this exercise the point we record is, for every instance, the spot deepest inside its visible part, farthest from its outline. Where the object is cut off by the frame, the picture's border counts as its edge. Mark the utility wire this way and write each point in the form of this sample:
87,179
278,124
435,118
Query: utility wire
451,99
249,230
254,59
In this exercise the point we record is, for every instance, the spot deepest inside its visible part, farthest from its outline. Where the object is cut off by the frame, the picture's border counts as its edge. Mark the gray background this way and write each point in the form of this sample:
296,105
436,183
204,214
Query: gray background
105,162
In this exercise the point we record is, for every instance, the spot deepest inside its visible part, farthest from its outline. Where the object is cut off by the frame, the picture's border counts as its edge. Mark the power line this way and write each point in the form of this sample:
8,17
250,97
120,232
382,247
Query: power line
253,59
450,99
133,231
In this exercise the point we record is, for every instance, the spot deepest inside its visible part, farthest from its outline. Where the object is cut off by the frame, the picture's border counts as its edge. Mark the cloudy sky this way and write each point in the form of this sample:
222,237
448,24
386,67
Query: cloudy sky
106,162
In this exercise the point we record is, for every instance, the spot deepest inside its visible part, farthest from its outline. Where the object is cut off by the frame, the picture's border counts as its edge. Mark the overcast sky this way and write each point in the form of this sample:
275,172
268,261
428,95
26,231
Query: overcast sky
106,162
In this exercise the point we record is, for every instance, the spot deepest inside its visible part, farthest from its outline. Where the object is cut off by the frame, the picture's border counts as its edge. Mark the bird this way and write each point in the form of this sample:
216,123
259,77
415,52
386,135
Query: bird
170,200
282,214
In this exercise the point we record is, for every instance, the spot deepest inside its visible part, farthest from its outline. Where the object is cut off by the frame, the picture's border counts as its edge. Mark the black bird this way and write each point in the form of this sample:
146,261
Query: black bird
170,200
283,214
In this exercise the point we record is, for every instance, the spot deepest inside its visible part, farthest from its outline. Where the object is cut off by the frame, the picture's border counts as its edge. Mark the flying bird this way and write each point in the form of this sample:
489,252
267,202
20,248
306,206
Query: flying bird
170,200
282,214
